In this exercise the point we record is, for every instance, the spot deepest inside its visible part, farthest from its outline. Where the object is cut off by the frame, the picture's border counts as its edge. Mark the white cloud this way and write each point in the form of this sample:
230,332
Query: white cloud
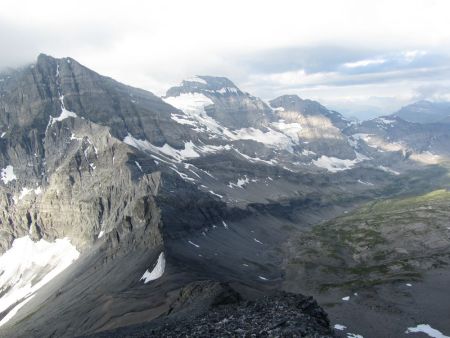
364,63
155,44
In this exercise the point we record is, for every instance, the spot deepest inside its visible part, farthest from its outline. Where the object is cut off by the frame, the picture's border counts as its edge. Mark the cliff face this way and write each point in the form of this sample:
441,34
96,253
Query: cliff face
70,176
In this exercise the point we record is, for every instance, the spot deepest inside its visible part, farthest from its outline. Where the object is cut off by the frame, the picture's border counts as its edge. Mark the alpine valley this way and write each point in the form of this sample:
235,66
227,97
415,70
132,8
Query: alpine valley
210,212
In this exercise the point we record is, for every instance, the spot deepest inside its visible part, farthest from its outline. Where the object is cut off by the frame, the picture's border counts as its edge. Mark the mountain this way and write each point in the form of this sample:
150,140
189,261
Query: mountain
142,214
425,112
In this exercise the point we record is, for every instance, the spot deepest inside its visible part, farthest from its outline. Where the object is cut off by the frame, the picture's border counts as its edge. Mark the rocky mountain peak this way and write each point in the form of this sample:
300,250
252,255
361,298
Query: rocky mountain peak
212,85
425,112
221,100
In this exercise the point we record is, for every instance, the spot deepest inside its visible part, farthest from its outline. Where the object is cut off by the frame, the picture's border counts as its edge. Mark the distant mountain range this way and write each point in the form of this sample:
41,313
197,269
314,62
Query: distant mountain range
425,112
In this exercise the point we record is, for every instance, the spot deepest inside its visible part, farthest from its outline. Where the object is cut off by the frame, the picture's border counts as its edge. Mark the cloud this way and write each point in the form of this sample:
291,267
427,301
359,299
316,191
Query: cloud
324,49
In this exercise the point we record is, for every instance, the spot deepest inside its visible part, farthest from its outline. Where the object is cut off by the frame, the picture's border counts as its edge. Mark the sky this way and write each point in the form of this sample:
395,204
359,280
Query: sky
362,58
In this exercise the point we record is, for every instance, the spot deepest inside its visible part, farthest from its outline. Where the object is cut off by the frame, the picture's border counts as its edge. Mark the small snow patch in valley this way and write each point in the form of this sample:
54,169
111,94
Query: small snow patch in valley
157,271
192,243
340,327
257,241
346,298
427,329
262,278
408,284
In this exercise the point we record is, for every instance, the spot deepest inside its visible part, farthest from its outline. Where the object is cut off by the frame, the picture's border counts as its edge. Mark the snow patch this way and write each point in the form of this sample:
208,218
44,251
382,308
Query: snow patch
73,137
306,152
241,182
270,137
138,165
354,335
64,113
292,130
157,271
28,265
7,175
365,183
334,164
388,170
340,327
215,194
166,150
196,79
14,310
386,120
346,298
427,329
192,243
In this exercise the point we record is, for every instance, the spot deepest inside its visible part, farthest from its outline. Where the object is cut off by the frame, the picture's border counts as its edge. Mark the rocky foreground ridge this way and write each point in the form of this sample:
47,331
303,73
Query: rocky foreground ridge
208,309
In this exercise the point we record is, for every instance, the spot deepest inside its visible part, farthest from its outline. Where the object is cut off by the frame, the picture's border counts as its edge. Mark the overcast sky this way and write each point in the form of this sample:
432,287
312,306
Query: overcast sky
360,57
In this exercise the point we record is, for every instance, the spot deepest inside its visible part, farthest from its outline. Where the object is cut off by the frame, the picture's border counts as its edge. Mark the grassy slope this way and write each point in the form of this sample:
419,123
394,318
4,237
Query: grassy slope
385,240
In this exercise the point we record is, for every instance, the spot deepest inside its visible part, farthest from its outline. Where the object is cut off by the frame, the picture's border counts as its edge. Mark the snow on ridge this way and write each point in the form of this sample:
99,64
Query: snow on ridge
227,90
157,271
280,134
292,130
7,175
195,79
192,105
189,150
138,165
385,120
271,137
24,261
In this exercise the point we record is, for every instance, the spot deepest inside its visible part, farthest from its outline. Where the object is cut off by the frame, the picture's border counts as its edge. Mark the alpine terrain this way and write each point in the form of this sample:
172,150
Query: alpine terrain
211,212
